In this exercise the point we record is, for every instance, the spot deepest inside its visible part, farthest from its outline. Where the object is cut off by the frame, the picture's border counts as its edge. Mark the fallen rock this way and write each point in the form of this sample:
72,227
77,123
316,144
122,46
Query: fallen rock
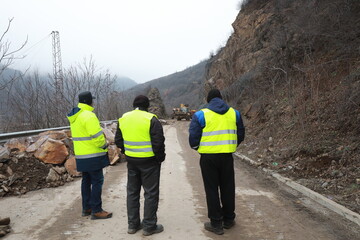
59,170
4,154
163,122
35,146
56,135
68,133
70,166
9,171
113,153
2,233
110,136
5,221
53,176
113,126
17,144
5,228
52,151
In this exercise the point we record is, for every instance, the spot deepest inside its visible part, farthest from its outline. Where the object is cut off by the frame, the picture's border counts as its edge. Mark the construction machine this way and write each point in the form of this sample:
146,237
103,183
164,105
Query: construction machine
183,112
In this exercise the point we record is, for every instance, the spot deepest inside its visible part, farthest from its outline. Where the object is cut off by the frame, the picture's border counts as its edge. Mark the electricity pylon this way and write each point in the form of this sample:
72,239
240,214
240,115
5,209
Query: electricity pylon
57,64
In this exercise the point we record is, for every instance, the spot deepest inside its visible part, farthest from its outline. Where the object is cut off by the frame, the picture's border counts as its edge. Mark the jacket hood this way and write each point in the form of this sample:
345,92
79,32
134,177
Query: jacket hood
218,105
75,112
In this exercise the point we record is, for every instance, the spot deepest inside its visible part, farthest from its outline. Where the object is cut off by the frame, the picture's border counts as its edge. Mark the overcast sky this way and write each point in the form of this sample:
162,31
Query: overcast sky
139,39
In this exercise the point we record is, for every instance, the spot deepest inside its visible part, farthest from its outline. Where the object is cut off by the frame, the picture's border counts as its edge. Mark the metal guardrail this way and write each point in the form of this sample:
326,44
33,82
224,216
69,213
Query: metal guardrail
6,136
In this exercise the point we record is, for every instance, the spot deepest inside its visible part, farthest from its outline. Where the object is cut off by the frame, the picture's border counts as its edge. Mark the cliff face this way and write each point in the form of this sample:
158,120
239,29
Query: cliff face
293,69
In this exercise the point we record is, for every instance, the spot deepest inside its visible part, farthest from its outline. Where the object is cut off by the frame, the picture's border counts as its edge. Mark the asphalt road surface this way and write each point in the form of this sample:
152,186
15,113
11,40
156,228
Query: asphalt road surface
266,209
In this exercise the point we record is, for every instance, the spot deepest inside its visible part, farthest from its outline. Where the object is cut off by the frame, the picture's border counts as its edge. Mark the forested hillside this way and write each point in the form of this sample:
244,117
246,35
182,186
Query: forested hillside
180,87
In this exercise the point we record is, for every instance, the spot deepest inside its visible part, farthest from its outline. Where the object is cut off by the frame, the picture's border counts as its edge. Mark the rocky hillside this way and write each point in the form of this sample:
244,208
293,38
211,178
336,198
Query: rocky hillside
293,69
180,87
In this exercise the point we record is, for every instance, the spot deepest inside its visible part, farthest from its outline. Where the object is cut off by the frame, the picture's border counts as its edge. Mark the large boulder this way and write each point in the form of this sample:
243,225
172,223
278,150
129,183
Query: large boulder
70,166
52,151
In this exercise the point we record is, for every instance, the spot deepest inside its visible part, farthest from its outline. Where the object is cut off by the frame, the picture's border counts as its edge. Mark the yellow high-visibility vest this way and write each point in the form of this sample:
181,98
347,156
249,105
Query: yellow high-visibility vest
87,135
220,132
135,128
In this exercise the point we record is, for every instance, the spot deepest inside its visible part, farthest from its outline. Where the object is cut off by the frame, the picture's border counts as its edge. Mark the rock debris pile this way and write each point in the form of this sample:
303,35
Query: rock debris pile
45,160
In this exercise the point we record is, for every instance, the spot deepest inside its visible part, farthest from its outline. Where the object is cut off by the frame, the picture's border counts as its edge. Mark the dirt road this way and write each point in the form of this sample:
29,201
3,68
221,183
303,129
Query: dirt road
266,210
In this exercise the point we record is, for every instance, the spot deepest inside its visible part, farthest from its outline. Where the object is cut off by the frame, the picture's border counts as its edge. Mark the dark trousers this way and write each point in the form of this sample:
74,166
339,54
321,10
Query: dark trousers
218,176
91,187
148,176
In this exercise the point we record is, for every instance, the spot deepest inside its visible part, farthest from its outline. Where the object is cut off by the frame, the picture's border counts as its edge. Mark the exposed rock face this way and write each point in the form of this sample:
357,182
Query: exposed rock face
156,104
52,151
292,69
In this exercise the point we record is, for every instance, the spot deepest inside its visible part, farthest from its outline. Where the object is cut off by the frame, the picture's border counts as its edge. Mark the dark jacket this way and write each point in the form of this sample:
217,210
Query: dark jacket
157,142
198,122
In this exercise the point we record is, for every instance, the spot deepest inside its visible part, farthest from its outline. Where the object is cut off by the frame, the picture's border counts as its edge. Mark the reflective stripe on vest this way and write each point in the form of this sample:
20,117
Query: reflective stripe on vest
87,138
91,155
135,129
220,132
87,135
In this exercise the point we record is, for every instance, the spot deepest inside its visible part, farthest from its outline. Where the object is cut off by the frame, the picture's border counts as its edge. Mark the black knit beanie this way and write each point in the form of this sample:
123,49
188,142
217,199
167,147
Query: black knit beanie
86,97
141,101
214,93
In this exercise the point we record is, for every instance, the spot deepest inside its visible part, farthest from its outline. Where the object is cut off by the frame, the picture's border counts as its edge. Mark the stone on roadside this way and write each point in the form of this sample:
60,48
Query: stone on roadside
113,127
2,233
59,170
110,136
70,166
52,151
4,153
35,146
52,176
5,221
56,135
113,153
17,144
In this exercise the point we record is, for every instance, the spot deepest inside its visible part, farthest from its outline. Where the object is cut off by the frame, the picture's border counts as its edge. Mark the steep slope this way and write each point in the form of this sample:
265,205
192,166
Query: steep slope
293,68
180,87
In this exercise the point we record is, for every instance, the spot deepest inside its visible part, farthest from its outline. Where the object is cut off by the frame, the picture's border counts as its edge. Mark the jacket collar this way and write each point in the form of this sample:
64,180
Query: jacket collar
85,107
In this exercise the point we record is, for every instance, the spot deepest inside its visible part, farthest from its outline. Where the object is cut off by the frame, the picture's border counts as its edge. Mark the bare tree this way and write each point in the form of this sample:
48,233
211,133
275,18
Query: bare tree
7,56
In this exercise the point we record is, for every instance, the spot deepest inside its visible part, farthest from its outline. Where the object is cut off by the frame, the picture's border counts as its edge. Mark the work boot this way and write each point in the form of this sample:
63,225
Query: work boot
229,224
159,228
133,230
86,212
101,215
217,230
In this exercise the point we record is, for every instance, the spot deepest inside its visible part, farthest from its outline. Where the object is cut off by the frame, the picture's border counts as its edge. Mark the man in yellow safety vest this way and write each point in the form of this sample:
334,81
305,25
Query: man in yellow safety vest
140,137
215,132
91,155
